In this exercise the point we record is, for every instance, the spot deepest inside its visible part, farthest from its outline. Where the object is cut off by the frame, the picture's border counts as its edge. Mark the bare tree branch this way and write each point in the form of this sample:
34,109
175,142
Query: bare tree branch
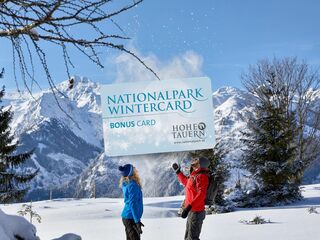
29,23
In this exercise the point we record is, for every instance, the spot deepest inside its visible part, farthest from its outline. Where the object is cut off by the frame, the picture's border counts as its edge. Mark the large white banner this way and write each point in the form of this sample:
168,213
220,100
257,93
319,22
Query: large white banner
157,116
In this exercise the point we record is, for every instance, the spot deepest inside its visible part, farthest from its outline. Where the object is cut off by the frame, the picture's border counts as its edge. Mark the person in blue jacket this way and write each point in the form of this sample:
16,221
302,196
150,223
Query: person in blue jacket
133,202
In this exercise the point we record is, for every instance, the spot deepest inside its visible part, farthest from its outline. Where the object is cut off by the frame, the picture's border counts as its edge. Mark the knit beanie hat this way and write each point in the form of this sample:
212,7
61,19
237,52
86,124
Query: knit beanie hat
204,162
126,170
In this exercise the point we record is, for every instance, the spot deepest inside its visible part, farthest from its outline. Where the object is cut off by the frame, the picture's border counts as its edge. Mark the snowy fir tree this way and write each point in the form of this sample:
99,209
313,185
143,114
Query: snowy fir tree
218,167
12,182
270,154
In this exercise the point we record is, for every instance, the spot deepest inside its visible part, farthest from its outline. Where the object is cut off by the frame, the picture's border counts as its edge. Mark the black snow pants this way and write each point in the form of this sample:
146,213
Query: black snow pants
131,233
194,224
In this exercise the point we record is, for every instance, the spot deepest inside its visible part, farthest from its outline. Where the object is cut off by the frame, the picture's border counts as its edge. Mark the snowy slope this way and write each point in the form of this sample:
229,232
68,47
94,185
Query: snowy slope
70,155
96,219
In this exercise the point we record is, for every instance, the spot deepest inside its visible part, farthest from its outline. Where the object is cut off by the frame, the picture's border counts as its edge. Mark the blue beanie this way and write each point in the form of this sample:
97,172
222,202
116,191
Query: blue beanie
126,170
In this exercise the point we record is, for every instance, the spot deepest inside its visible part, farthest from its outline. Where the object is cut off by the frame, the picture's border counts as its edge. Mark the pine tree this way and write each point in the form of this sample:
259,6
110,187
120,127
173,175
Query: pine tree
12,182
218,167
270,154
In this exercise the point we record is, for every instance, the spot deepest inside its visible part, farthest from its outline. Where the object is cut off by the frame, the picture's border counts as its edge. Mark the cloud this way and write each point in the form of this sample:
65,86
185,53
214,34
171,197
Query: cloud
128,69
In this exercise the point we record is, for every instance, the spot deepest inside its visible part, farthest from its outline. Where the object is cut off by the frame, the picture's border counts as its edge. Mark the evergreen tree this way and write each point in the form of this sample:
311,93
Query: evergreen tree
270,154
285,126
12,182
218,167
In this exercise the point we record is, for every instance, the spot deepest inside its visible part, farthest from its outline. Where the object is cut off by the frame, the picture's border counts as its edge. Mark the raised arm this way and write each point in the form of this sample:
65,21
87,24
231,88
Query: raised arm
182,178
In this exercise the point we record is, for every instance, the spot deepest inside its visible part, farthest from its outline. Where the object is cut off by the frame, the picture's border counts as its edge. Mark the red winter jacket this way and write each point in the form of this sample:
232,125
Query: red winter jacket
196,189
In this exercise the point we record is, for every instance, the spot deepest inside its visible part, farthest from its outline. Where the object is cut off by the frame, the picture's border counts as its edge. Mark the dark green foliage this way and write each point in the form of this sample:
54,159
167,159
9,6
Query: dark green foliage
218,167
260,198
12,182
270,154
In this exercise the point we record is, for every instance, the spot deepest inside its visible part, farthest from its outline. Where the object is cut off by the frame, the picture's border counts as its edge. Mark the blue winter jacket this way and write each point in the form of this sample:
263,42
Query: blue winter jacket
133,207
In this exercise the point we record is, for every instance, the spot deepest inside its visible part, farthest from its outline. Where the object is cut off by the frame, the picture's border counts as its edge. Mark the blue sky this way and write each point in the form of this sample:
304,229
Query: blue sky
226,35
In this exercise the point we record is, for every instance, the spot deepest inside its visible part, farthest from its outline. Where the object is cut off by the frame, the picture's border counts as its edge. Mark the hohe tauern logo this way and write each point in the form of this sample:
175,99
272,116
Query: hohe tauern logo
189,131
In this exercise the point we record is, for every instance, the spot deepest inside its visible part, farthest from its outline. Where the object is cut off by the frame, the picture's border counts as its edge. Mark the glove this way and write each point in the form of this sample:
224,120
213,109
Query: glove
186,211
138,227
176,168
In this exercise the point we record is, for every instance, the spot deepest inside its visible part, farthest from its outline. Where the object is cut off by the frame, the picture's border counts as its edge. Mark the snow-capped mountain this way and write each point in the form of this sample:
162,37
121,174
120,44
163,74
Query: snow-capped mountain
69,146
63,147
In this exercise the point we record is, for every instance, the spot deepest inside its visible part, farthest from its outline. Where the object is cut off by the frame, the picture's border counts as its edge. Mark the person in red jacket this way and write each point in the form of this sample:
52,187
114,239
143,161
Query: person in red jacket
196,189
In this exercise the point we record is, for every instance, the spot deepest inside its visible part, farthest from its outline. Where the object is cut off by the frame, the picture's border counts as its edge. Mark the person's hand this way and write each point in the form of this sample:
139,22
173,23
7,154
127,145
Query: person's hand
138,227
176,168
186,211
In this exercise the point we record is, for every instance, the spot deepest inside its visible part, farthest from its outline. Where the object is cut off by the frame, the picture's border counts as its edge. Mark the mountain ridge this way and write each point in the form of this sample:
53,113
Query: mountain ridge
70,156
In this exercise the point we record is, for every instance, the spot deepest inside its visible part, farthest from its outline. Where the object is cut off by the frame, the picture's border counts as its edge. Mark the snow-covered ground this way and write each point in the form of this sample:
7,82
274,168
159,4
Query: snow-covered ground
98,219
